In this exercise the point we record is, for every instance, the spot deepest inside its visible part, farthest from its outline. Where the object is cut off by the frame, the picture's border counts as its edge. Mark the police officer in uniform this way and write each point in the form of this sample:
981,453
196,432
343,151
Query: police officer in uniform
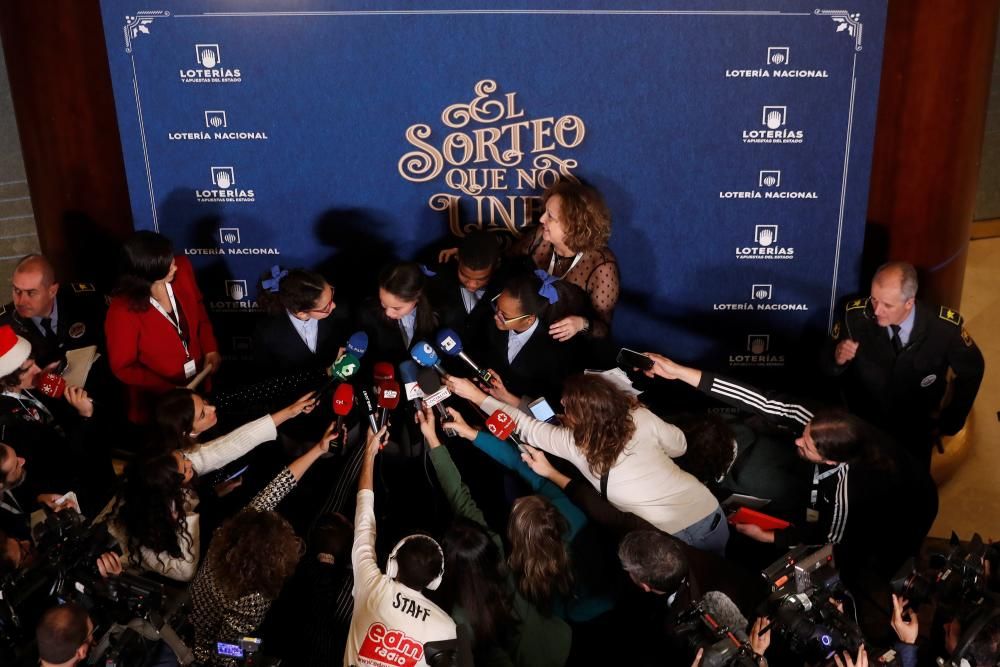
52,318
893,354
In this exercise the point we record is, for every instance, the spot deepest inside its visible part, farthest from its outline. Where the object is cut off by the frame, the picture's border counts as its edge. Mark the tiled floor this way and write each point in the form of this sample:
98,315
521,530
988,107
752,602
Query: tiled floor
970,499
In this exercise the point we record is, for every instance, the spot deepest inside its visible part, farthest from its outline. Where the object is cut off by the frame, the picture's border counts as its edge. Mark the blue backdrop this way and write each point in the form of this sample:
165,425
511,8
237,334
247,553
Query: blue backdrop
732,140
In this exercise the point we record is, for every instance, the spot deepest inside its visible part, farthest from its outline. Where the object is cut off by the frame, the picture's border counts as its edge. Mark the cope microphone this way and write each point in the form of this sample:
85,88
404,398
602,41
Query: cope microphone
424,355
368,405
434,394
408,374
343,401
50,384
357,344
388,399
449,342
383,371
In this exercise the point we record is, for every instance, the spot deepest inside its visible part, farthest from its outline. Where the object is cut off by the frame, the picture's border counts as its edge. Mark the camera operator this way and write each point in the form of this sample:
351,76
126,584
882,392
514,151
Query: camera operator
16,554
970,638
65,635
867,496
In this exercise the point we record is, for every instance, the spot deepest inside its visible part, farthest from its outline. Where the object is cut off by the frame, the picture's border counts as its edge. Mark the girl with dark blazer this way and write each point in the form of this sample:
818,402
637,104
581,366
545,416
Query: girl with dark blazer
158,332
400,316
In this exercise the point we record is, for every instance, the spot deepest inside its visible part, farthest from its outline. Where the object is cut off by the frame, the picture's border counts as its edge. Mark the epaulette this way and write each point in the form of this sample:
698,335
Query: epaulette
949,315
83,287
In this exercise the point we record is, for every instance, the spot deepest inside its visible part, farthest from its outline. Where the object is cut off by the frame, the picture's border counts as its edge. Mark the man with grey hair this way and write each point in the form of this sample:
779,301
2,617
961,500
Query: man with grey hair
893,355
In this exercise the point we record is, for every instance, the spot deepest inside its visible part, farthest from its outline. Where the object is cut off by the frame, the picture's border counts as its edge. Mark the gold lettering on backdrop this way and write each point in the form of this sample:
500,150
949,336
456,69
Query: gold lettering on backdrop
503,153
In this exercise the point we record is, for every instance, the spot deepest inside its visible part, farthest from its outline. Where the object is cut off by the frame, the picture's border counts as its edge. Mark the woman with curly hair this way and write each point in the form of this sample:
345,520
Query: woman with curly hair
250,557
626,452
155,515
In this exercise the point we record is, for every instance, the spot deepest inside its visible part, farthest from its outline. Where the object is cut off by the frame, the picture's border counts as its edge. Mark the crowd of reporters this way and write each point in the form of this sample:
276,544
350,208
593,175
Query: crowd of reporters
426,403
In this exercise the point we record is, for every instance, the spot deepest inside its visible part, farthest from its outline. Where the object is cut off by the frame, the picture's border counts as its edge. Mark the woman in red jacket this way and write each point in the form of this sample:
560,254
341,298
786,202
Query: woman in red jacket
157,328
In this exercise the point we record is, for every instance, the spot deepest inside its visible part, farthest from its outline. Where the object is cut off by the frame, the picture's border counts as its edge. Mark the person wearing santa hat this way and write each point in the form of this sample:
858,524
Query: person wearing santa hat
46,432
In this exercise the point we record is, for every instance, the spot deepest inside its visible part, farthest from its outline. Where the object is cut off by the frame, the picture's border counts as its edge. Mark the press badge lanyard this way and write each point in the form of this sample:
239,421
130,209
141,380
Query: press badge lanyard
39,407
817,478
552,264
13,509
189,366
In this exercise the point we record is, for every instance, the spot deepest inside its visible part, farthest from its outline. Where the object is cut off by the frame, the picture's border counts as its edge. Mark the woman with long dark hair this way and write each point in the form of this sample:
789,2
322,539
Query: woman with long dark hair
155,515
158,332
626,451
401,315
499,617
303,328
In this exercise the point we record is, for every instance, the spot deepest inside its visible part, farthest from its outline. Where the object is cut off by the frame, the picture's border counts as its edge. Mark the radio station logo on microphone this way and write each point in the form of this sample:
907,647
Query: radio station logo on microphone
758,354
761,298
210,67
237,298
225,190
777,66
766,245
231,243
216,128
769,186
773,128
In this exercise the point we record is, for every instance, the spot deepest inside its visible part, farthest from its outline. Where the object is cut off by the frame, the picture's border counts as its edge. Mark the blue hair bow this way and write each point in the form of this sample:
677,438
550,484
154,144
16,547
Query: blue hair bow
272,283
427,272
548,288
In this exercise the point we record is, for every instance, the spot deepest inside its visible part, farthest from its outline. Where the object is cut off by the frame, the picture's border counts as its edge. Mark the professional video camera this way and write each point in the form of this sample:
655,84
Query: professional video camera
803,607
951,578
715,625
64,568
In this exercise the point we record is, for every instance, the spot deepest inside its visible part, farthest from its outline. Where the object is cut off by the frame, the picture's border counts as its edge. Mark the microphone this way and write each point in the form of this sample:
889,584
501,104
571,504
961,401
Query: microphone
449,342
50,384
388,399
383,371
424,354
502,426
343,401
341,369
357,344
408,374
369,406
434,393
725,612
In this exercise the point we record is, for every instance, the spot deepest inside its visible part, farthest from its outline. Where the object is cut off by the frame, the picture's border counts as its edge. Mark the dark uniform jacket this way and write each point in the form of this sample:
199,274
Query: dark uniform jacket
278,348
902,393
444,292
80,323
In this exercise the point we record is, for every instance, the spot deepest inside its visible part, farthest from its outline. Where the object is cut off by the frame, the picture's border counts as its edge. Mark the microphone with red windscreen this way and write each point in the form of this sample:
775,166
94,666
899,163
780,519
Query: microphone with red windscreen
502,427
343,401
388,398
383,371
50,384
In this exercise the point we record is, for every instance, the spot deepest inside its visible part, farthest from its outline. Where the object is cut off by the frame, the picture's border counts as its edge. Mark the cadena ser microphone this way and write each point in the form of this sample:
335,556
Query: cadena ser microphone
434,395
383,371
449,342
357,344
424,354
408,374
388,398
50,384
343,401
368,405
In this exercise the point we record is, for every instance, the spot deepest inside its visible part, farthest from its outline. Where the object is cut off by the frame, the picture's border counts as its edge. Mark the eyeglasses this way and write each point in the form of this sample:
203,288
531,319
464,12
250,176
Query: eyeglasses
325,309
504,320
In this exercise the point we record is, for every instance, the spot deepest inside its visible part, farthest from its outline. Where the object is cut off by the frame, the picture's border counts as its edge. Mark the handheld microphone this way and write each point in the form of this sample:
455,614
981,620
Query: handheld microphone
369,406
435,393
357,344
408,374
383,371
388,399
341,369
449,342
424,354
343,401
50,384
502,427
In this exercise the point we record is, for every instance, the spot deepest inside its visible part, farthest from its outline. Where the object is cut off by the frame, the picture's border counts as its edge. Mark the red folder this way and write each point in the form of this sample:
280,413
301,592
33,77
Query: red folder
765,521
